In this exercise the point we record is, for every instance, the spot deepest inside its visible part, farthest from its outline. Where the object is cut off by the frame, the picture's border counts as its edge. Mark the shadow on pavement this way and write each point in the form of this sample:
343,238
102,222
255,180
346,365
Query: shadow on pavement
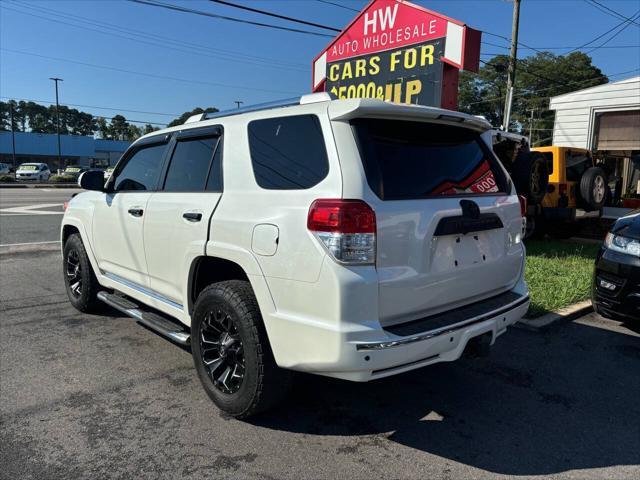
541,404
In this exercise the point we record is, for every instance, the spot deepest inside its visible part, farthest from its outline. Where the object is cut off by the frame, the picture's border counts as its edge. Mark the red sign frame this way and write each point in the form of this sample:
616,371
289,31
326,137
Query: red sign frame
386,25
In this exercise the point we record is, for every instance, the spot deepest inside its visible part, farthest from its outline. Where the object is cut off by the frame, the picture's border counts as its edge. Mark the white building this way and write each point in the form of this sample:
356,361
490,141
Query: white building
606,120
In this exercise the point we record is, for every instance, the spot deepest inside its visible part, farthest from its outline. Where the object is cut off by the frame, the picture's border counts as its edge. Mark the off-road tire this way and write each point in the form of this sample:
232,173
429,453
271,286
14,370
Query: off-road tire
86,300
530,176
593,191
264,384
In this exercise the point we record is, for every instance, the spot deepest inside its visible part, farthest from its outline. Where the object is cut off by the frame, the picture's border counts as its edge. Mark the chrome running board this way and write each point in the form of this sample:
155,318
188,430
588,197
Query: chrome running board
153,321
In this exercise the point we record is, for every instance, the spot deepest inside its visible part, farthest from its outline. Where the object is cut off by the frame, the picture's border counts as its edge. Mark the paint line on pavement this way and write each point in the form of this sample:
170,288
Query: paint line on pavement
29,243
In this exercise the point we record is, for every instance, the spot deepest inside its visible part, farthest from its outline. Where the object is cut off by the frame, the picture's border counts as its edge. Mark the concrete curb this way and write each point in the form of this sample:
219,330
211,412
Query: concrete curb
30,247
540,324
39,185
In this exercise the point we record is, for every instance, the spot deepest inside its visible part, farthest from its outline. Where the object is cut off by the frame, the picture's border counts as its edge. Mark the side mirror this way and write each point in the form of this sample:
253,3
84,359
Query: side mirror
92,180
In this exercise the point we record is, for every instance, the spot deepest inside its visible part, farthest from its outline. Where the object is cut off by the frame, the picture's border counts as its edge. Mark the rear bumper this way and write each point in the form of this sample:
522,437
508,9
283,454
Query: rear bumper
371,352
391,356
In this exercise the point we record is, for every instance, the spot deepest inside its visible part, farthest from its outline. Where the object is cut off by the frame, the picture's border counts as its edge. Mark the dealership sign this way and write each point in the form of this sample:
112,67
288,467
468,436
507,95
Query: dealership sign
400,52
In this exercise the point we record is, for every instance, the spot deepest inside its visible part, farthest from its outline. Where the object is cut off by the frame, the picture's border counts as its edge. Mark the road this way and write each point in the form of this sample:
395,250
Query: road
98,396
31,215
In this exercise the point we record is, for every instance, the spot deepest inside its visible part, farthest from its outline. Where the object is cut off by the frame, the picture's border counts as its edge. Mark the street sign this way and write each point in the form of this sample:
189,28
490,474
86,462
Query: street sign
400,52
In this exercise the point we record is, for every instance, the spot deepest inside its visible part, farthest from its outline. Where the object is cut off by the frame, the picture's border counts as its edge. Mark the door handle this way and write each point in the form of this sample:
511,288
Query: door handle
192,216
136,211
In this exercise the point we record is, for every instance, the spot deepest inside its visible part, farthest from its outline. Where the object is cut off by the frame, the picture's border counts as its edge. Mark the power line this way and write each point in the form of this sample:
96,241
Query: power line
606,33
95,116
550,88
338,5
526,69
609,11
188,47
542,49
115,109
275,15
231,54
224,17
133,72
614,35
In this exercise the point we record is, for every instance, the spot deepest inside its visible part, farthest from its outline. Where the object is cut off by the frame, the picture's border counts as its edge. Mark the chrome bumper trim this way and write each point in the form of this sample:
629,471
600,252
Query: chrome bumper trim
383,345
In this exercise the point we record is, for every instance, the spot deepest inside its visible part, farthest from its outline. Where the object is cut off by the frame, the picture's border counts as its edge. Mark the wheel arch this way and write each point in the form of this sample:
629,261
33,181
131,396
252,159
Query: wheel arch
220,264
72,225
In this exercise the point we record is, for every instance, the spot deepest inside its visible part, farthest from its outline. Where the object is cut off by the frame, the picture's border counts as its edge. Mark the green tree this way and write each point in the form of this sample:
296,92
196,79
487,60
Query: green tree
103,128
538,78
119,128
483,93
148,128
183,118
133,133
80,123
38,117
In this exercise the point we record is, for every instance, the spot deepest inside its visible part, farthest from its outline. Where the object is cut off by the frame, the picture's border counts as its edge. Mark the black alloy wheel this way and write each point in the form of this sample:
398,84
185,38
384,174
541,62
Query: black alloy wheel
231,351
73,271
80,282
222,351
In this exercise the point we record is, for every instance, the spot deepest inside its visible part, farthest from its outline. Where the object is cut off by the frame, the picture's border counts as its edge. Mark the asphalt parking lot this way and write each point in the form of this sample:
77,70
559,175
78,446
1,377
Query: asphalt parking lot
31,215
99,396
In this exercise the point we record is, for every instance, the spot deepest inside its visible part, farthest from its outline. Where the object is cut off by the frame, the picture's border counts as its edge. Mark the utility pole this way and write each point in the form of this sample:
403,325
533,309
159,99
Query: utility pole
13,135
531,128
238,102
511,76
56,80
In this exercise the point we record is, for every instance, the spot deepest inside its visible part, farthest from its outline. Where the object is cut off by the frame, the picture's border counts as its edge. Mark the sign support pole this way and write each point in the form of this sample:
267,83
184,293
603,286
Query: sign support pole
511,77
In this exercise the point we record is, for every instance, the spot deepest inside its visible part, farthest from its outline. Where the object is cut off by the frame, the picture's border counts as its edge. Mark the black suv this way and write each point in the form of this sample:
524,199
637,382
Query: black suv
616,278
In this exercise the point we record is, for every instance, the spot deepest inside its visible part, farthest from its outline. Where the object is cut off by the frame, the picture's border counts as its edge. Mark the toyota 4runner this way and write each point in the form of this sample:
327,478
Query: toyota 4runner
355,239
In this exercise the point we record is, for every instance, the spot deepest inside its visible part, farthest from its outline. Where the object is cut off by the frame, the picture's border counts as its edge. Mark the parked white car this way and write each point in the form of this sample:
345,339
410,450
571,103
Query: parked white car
5,168
34,172
355,239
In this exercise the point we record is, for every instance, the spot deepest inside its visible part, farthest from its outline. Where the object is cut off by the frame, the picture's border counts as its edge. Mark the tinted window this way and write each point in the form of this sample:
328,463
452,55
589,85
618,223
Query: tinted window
142,170
288,153
416,159
190,165
214,182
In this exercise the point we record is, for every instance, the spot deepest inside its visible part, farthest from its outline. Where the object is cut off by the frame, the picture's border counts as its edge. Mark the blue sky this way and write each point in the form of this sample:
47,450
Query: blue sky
236,61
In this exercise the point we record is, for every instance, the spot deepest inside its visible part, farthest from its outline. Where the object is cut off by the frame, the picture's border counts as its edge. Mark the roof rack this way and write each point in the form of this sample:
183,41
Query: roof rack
289,102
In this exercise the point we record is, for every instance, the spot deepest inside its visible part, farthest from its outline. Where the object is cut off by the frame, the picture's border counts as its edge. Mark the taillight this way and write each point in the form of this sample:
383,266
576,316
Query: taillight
65,205
347,228
523,205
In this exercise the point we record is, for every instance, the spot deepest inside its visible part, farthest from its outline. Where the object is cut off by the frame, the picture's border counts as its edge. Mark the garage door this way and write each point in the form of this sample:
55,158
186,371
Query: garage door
619,131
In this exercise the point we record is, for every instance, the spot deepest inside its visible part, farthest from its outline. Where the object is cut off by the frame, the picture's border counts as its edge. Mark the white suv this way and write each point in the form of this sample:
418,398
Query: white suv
355,239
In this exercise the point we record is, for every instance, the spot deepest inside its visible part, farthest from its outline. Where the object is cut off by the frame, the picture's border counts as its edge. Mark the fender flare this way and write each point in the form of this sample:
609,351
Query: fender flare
78,225
247,262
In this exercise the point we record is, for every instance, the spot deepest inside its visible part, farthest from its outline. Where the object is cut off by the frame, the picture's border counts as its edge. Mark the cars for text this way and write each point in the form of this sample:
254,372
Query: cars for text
355,239
616,279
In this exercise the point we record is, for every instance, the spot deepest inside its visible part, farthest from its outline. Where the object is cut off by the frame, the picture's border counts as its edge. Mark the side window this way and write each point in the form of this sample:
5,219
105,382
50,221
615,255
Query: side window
214,182
288,153
190,165
141,170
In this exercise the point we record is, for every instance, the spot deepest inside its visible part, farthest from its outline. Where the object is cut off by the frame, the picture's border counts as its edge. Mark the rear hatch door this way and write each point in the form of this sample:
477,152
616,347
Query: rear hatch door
448,228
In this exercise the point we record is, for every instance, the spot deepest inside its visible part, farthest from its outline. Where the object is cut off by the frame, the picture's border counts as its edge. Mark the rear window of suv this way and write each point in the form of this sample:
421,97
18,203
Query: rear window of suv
408,160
